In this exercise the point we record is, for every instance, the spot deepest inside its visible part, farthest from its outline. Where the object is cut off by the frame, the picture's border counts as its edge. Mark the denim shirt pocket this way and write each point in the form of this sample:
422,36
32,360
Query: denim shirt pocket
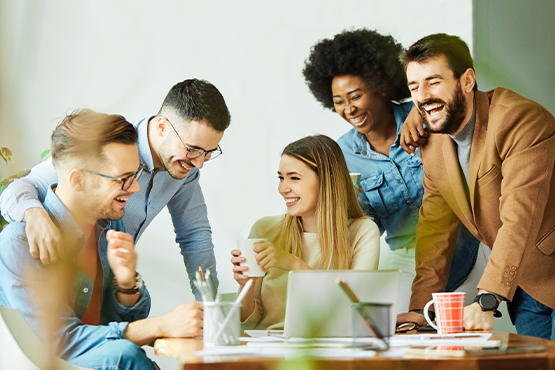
379,194
416,171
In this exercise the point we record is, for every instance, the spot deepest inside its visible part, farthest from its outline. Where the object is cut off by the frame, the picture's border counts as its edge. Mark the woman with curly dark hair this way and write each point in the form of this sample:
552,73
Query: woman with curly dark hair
358,75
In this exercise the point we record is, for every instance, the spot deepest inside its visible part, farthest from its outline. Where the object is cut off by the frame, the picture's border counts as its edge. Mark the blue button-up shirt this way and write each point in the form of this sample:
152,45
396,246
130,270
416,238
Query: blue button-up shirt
392,194
183,197
26,281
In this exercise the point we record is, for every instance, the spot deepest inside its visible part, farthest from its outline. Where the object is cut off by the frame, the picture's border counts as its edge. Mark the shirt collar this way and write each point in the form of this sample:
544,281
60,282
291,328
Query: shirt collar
145,156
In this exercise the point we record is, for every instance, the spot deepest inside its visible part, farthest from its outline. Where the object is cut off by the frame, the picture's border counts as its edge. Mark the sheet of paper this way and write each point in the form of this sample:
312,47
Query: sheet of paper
264,333
273,351
462,339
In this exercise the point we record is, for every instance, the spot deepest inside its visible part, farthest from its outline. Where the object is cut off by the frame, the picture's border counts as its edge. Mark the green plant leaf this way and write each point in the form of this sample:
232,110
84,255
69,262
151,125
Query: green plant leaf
6,154
44,154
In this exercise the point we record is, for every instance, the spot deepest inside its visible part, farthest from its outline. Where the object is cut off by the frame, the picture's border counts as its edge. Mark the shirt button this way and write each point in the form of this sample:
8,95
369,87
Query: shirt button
400,181
513,268
511,272
508,284
510,278
85,290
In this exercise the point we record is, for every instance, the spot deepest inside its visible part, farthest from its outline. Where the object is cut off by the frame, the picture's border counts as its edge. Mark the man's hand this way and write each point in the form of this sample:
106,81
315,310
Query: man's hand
267,256
412,317
183,322
476,319
43,236
122,257
413,135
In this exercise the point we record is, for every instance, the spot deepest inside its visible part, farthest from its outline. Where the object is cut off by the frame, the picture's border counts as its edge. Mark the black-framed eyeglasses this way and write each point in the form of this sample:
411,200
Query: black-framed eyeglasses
193,153
127,181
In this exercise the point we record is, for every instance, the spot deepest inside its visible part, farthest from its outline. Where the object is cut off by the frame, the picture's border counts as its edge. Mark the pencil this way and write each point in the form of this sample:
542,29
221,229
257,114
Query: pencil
353,298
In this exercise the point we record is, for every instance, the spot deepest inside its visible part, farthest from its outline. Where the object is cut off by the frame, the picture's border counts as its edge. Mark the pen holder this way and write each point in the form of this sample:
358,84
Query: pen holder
221,324
370,324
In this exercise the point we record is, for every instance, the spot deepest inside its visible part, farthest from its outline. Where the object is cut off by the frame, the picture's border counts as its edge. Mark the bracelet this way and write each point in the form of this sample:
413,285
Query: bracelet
135,290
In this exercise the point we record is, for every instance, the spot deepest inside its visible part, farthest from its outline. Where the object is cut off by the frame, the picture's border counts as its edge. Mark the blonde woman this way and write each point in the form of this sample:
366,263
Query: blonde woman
324,228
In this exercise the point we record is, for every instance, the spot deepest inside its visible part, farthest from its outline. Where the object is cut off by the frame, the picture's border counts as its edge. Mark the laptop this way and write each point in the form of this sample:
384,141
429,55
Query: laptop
317,307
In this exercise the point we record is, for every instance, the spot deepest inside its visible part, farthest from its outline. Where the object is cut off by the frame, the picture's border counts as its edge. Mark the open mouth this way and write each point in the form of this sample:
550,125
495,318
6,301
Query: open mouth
122,200
433,110
291,201
358,120
185,167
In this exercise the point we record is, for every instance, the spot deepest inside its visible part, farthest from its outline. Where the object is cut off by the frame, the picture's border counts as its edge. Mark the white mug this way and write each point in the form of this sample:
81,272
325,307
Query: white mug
245,246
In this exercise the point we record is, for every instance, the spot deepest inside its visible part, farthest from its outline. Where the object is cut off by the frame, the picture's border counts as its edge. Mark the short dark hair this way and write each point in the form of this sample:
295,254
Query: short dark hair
84,133
363,53
453,48
198,100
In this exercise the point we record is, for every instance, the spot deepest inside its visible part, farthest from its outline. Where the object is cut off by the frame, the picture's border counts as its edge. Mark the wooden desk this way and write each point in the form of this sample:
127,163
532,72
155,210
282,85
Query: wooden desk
184,350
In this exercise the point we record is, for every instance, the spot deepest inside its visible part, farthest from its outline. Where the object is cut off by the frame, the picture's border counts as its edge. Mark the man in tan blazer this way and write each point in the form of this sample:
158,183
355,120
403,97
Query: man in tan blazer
488,164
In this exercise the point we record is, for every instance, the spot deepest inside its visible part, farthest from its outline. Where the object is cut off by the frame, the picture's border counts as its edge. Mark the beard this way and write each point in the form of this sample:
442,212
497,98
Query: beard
165,155
455,112
103,208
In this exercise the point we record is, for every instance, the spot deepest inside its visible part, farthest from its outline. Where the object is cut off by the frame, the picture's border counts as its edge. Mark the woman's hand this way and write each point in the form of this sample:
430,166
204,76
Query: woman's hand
267,256
238,271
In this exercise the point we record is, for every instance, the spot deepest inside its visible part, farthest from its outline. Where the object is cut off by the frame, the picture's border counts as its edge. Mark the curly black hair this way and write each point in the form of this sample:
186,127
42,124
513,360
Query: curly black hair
363,53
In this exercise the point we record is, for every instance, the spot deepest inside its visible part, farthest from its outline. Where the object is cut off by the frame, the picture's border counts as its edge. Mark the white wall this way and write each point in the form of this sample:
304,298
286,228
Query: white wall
123,56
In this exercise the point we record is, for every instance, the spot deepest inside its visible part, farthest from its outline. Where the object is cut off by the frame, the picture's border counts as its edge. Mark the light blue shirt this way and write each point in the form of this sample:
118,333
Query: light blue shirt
23,279
392,194
183,197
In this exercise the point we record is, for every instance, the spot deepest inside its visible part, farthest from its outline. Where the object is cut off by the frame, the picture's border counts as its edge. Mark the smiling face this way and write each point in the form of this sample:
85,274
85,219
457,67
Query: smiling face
104,197
363,108
173,155
438,95
299,186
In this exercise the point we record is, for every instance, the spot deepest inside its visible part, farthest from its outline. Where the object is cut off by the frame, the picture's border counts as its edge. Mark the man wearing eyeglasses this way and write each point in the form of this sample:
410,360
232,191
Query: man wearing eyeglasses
91,305
174,144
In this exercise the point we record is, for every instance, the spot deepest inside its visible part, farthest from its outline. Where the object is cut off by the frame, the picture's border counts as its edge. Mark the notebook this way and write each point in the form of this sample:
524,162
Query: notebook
317,307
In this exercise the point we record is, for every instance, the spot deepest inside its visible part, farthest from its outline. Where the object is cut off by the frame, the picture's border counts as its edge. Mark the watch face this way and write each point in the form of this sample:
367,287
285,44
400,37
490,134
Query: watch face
488,302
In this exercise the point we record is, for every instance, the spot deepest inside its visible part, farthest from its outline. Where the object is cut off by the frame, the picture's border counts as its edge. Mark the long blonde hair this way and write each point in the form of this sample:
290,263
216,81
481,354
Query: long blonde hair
337,203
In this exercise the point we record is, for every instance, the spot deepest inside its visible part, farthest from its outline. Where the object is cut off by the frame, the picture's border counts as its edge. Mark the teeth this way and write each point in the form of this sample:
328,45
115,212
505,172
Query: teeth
291,200
184,166
358,119
432,106
123,199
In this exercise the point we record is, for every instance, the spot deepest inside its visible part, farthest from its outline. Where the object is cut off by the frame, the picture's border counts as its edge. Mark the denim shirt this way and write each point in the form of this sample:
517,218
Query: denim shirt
392,194
392,186
183,197
24,281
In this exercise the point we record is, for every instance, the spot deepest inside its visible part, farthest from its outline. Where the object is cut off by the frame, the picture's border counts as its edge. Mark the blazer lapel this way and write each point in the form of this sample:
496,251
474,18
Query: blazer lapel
456,180
478,141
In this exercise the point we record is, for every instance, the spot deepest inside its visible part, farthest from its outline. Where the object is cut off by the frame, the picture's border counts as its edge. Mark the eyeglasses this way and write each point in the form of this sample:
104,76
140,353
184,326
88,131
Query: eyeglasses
406,326
127,181
193,153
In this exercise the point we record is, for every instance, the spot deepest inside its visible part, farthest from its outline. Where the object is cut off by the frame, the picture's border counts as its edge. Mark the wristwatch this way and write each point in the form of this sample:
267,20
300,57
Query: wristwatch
135,290
488,302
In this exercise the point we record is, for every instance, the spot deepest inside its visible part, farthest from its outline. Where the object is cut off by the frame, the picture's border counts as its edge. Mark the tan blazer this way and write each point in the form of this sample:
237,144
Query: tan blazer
512,200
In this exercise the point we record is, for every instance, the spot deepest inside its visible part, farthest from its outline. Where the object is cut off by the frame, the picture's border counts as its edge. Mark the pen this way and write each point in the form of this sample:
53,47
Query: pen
353,298
452,337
